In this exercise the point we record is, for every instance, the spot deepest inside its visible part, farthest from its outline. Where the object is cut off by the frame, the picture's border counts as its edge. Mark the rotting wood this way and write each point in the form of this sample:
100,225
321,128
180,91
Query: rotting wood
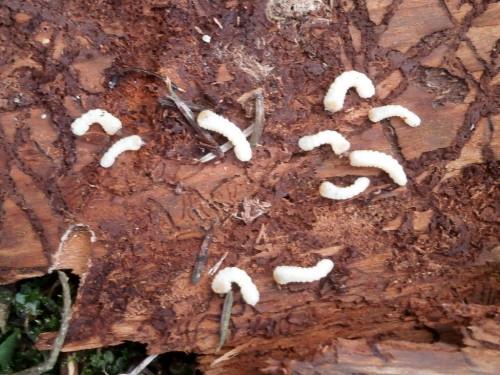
440,245
391,357
183,107
188,114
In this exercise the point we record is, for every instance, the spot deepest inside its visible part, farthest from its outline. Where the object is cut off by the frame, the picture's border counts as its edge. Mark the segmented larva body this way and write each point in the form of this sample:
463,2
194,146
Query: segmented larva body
376,159
380,113
334,98
222,284
214,122
336,140
290,274
331,191
109,123
132,143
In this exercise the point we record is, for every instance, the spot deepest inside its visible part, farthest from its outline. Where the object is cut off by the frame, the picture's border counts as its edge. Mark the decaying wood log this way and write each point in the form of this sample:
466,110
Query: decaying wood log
393,357
403,255
478,356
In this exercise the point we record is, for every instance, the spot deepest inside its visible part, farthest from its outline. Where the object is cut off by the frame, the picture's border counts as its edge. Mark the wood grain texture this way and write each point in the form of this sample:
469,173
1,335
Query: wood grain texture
402,254
477,356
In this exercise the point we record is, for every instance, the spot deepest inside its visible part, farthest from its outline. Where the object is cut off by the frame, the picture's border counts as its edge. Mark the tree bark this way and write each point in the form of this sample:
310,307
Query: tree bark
403,255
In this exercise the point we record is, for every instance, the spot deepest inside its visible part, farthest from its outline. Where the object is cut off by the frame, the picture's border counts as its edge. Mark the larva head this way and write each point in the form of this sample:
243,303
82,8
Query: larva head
110,123
400,178
325,265
135,142
341,146
252,298
306,144
79,128
412,120
243,152
222,281
333,104
107,161
204,115
279,275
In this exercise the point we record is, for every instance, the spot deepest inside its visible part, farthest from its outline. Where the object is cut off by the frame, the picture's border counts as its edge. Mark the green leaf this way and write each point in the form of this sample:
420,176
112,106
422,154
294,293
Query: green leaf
31,307
20,298
7,350
108,356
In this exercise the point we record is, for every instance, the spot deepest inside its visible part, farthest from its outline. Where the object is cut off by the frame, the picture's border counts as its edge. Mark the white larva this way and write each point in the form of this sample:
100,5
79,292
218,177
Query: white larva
109,123
226,146
334,98
376,159
336,140
290,274
380,113
212,121
132,143
222,284
331,191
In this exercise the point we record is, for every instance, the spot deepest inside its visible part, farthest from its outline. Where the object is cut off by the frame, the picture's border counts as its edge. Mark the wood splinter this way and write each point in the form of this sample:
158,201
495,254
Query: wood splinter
181,105
225,319
202,257
188,115
114,80
260,118
169,102
217,265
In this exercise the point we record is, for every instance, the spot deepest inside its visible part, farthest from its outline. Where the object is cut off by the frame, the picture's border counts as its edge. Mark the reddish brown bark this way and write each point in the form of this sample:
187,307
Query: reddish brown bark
402,254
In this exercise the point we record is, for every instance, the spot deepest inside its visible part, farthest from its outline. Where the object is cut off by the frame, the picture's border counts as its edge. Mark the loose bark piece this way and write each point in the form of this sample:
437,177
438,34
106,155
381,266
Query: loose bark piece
414,19
392,357
401,254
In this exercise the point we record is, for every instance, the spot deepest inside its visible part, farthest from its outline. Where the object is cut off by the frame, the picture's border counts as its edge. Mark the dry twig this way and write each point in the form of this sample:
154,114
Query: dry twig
259,119
188,114
214,269
114,80
181,105
234,352
169,102
141,366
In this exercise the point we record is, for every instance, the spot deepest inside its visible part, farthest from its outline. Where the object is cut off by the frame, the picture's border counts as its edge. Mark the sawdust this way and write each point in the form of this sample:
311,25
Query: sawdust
280,10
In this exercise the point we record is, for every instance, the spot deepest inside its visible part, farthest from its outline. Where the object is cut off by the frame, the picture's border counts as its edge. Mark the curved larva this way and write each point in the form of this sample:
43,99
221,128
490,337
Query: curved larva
289,274
222,284
380,113
212,121
132,143
109,123
334,98
336,140
376,159
331,191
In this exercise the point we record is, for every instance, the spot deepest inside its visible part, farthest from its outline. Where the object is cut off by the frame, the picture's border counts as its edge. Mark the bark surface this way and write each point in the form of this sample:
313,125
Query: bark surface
406,258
